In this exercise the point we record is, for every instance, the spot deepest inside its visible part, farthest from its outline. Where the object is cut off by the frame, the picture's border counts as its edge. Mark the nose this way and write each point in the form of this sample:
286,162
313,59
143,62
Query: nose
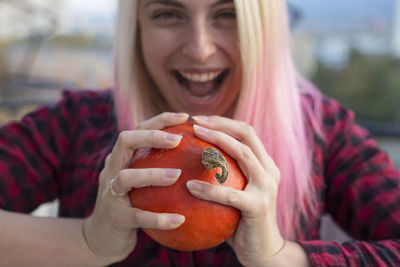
200,43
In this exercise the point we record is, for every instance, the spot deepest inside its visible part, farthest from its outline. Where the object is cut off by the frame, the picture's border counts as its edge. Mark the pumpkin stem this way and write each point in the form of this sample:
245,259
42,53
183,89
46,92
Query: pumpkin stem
211,159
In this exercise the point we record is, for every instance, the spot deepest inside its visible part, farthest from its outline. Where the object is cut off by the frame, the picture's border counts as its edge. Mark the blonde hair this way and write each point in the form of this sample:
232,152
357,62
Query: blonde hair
269,99
135,95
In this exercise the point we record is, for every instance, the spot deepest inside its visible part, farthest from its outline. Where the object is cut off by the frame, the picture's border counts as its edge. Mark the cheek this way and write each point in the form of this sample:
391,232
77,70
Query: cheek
229,44
234,52
147,47
157,49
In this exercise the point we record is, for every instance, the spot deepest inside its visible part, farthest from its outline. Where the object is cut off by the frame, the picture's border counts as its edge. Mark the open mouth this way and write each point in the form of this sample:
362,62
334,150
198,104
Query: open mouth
201,85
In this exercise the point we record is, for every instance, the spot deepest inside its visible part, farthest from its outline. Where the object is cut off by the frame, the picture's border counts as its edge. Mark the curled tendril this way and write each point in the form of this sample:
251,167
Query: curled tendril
212,159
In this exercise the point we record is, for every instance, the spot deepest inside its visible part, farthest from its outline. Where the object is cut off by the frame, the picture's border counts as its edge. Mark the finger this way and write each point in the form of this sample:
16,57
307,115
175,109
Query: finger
223,195
239,130
137,178
163,120
244,156
129,141
145,219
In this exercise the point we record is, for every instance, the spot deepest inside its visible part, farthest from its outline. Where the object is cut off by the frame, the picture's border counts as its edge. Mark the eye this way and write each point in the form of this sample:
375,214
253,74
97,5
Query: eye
227,15
166,15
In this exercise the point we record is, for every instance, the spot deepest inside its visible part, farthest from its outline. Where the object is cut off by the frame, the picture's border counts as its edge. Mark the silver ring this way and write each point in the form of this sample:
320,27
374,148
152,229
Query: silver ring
110,188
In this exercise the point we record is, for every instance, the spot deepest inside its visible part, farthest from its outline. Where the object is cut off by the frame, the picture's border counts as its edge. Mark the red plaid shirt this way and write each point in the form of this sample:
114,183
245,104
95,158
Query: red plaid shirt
58,151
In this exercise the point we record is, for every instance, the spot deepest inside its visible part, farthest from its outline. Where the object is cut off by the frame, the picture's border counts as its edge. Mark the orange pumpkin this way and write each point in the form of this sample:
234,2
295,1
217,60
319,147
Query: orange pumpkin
207,223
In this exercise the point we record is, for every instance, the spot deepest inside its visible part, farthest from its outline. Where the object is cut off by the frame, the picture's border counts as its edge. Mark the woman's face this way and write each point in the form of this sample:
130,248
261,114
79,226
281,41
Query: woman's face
190,49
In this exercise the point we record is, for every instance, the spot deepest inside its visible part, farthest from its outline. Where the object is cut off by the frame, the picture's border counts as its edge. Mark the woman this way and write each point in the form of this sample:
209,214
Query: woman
227,64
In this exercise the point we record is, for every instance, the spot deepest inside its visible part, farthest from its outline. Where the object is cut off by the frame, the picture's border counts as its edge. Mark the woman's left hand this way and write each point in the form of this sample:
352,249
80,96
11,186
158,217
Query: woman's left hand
257,237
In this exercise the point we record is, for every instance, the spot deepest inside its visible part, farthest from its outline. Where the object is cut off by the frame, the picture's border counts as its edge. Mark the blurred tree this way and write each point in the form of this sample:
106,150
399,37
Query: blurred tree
3,45
78,40
4,72
370,85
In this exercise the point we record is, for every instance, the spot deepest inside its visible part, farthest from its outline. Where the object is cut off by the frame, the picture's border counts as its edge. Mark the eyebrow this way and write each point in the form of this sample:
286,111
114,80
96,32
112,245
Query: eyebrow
164,2
220,2
179,4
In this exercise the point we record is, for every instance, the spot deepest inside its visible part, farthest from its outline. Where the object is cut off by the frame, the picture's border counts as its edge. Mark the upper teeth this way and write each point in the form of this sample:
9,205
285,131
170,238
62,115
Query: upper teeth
203,77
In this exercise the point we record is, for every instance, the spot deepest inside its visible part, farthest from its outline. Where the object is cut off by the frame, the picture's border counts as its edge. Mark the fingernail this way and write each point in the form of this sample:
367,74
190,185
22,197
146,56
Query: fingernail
172,173
177,219
174,137
181,115
200,118
192,185
200,129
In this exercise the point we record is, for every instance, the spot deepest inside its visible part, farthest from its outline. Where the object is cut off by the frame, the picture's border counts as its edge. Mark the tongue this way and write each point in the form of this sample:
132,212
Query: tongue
200,89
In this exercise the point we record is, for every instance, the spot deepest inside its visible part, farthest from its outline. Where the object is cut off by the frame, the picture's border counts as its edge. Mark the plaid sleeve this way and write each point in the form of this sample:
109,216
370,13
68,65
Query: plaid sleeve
353,253
362,195
31,156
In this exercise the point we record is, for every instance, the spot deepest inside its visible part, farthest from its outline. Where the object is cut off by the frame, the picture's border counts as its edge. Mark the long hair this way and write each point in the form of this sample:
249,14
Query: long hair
269,99
135,94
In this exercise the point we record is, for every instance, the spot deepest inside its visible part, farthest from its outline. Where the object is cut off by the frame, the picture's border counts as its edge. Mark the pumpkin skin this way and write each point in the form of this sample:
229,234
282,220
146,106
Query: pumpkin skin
207,223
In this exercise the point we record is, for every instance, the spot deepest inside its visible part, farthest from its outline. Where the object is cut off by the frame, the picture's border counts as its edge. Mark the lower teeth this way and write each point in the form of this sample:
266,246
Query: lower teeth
217,82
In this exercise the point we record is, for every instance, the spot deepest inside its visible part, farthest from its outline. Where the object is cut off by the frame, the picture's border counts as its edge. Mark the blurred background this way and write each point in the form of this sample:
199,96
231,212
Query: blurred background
50,45
349,49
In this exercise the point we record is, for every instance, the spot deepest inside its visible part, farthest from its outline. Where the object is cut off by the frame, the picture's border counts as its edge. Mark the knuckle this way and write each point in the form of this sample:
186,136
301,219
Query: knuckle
153,173
232,197
207,192
159,221
242,124
123,137
247,130
157,135
245,152
166,116
250,130
122,178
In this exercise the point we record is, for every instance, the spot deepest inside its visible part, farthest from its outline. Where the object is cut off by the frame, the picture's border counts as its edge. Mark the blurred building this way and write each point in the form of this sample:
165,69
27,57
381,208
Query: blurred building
99,21
396,29
34,68
19,19
331,30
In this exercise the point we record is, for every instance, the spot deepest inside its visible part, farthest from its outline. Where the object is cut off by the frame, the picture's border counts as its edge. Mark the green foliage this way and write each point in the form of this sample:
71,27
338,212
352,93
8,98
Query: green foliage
72,41
2,54
3,47
79,41
370,85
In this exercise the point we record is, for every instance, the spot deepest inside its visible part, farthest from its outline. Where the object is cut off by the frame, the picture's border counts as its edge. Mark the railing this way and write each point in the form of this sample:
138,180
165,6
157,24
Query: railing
387,136
381,129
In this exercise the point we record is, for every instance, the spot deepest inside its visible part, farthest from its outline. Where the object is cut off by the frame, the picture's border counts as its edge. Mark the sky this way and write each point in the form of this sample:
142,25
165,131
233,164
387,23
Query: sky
98,7
316,9
95,16
315,13
343,13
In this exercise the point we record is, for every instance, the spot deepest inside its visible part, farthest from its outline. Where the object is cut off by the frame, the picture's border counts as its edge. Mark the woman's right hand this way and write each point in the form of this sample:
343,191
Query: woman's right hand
111,231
